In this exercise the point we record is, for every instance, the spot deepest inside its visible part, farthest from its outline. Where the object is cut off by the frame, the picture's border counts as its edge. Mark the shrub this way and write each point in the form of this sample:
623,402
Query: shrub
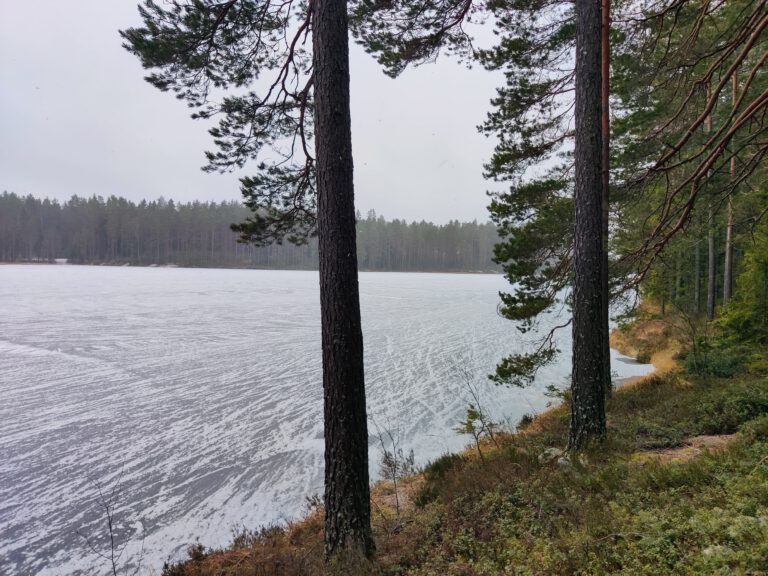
644,353
525,421
726,410
437,469
434,472
243,537
196,553
716,359
756,430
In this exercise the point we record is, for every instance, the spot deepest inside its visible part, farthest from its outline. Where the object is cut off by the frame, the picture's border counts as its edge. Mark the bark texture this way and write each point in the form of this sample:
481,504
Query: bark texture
588,376
605,93
347,496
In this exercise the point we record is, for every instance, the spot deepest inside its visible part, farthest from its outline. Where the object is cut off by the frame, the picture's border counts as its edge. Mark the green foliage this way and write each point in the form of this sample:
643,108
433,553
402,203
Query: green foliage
437,469
674,136
203,48
725,410
746,319
520,369
400,32
652,435
756,430
666,173
534,223
532,123
477,424
525,421
612,516
716,358
531,120
471,422
434,473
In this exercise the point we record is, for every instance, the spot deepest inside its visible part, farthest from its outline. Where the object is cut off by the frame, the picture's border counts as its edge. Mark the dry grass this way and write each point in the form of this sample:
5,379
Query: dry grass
651,340
692,448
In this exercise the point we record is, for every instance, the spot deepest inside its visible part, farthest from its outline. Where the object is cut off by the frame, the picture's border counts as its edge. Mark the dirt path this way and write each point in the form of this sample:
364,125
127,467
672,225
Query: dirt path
692,448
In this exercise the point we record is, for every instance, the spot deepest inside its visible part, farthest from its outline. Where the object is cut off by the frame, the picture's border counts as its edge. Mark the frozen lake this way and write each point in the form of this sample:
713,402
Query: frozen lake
203,387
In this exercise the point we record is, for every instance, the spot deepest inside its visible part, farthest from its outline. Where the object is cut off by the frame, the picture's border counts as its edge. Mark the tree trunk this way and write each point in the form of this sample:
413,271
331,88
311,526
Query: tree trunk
347,496
697,276
728,271
712,257
605,111
711,263
671,296
588,376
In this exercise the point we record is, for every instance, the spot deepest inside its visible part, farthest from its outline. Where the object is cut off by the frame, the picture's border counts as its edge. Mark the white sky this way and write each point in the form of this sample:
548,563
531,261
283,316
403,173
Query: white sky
77,117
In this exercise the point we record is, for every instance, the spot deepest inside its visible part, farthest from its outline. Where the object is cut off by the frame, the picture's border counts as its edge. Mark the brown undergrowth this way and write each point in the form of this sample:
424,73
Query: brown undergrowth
651,340
690,448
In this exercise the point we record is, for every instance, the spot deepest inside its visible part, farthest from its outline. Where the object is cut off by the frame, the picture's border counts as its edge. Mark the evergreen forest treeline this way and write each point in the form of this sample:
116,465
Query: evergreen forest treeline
117,231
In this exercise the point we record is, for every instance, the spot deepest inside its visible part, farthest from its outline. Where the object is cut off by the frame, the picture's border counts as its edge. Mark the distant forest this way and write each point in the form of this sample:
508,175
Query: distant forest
118,231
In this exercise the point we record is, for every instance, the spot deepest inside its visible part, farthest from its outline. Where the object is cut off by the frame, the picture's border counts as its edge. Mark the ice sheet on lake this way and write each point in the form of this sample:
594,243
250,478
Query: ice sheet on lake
201,391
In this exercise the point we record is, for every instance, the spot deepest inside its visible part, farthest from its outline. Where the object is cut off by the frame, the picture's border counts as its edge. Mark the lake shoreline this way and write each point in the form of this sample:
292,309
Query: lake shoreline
128,265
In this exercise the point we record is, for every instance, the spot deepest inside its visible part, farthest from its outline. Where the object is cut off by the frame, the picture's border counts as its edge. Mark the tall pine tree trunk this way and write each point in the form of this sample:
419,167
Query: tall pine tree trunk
712,257
697,276
728,267
605,92
347,497
728,271
588,375
711,263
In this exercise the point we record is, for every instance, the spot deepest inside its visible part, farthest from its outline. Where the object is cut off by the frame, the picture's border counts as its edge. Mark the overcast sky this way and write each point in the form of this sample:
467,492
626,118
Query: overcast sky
76,117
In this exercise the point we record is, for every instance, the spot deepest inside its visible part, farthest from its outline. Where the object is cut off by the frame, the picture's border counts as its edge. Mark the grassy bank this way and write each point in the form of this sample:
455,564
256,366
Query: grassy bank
680,487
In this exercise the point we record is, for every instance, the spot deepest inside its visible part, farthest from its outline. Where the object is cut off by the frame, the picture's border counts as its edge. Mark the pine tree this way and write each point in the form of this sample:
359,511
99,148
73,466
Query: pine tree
588,362
532,121
201,47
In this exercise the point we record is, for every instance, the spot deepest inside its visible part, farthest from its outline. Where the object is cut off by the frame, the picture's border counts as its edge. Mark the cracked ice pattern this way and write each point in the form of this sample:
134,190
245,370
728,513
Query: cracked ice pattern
203,389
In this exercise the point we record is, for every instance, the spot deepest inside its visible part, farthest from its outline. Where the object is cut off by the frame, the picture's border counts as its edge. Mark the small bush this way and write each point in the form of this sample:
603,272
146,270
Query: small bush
525,421
732,406
756,430
716,359
434,473
426,495
196,553
644,354
243,537
437,469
